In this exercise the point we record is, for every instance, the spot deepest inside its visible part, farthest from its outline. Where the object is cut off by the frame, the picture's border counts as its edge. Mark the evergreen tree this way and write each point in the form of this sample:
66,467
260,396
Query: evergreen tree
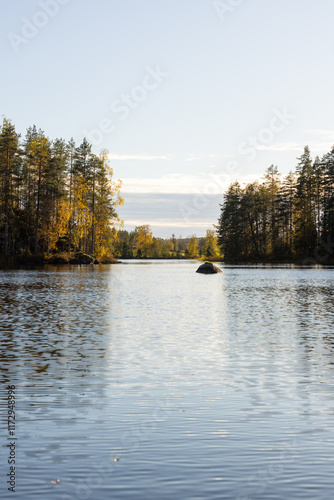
304,213
54,195
231,224
280,219
272,185
328,197
8,172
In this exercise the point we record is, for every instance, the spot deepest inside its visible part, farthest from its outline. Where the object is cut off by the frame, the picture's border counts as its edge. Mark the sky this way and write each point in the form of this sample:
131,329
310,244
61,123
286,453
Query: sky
186,95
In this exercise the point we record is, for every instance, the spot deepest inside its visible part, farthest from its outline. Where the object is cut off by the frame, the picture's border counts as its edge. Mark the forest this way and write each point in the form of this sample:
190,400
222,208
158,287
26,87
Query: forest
287,218
59,198
55,196
141,243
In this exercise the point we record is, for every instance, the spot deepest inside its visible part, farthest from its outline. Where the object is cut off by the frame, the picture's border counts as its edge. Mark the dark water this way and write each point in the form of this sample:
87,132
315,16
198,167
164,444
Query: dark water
204,387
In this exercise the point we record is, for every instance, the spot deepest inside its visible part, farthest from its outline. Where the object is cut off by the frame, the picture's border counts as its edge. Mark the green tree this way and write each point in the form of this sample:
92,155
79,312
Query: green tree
304,213
272,185
39,154
8,171
286,197
328,197
231,223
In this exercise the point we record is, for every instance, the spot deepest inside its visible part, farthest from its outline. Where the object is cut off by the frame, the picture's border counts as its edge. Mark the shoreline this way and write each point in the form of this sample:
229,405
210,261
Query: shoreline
40,259
79,258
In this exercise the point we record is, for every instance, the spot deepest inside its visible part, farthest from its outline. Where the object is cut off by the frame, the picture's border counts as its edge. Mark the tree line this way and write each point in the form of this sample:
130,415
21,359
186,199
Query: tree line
141,243
55,196
281,218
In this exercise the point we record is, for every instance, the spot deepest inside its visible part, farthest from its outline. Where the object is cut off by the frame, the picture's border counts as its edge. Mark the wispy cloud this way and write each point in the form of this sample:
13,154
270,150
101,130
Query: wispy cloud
318,140
315,146
169,184
183,183
198,157
283,146
324,133
194,158
140,157
165,213
321,147
175,223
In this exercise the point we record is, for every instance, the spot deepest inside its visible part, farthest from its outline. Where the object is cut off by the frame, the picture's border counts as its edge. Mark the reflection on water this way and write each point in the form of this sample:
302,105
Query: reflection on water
149,381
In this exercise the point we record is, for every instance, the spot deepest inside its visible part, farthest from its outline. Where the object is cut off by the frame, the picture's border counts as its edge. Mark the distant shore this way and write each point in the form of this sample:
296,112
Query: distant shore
80,258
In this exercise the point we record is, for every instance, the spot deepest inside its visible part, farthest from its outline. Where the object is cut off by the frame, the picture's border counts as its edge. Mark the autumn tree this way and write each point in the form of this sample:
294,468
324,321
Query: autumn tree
105,200
144,240
193,247
210,247
70,188
55,195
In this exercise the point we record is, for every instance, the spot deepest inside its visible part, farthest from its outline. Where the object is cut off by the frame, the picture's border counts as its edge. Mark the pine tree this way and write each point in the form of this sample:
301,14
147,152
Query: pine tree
230,227
272,185
328,197
70,188
39,155
8,171
304,215
286,199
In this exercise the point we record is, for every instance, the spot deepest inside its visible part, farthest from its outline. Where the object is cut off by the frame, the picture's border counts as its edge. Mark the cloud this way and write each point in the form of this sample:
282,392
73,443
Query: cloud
283,146
325,134
201,183
184,214
196,157
321,147
140,157
323,143
170,224
315,146
173,183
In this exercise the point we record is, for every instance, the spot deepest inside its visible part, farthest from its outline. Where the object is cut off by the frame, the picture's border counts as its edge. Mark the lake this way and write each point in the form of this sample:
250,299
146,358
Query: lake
147,381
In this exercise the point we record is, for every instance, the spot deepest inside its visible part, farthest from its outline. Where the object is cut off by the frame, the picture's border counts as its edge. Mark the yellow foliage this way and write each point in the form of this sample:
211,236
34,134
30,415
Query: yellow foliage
144,239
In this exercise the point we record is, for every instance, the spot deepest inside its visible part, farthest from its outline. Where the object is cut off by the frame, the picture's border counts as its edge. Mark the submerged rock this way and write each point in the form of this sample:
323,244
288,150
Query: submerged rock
208,268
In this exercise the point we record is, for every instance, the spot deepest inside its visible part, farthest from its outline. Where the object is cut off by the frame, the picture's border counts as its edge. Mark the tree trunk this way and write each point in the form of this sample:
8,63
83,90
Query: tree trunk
37,208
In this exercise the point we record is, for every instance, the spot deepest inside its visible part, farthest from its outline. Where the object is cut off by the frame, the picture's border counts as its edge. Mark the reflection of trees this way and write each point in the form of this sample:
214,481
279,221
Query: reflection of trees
315,313
54,324
277,325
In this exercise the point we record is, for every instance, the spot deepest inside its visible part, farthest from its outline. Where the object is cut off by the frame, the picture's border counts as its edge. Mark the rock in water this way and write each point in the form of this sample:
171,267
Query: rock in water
208,268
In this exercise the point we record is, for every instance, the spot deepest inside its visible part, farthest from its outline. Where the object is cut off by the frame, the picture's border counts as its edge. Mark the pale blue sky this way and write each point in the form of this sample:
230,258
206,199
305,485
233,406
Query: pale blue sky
249,84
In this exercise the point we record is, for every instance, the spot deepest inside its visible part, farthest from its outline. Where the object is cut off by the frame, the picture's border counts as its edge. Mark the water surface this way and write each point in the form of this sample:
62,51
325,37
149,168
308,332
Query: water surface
149,381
